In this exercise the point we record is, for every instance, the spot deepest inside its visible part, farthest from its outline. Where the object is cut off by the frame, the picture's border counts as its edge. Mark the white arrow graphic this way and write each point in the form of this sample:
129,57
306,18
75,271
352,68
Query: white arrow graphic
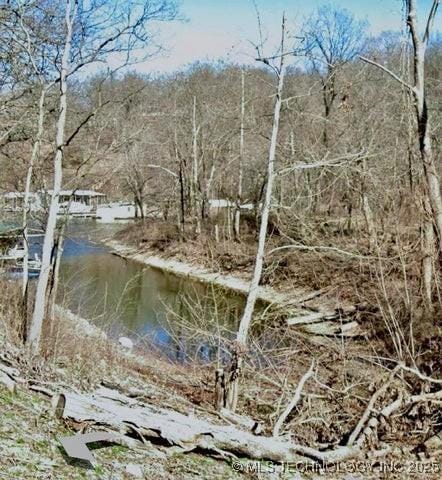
76,446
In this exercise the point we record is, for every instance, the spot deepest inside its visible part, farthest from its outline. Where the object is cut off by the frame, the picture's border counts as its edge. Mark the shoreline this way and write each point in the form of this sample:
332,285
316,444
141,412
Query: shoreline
88,329
285,300
305,310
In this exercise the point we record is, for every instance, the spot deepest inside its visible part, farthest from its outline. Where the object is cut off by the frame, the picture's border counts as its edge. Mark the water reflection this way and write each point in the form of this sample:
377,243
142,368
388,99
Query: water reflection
182,318
126,298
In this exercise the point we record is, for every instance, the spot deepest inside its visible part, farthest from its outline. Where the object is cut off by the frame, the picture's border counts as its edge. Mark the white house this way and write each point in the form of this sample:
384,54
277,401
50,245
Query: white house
110,212
220,203
74,202
78,202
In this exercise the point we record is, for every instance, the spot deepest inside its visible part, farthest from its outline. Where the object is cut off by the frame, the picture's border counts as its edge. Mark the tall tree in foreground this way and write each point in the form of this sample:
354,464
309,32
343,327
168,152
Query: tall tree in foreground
244,325
92,31
432,200
48,243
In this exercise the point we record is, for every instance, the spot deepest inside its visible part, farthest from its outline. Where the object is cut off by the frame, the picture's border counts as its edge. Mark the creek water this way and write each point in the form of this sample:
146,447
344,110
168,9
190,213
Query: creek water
152,307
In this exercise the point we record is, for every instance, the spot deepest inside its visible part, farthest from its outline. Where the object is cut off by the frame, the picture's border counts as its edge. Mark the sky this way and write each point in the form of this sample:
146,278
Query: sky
227,29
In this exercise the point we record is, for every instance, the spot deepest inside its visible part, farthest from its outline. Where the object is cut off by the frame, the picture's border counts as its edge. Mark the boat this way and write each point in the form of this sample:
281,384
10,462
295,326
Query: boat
34,267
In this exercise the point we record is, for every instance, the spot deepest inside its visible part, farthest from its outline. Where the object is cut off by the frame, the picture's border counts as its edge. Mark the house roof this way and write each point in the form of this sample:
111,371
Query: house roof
11,195
223,203
77,193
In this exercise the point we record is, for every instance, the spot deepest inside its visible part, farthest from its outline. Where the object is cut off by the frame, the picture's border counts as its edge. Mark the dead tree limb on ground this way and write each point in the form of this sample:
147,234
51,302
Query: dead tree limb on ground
112,410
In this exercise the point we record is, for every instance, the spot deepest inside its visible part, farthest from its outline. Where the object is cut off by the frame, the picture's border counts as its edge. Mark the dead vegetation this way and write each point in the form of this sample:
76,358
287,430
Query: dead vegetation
355,401
354,381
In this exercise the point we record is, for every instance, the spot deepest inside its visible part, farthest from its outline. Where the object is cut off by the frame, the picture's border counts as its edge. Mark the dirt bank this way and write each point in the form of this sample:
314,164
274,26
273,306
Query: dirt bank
300,306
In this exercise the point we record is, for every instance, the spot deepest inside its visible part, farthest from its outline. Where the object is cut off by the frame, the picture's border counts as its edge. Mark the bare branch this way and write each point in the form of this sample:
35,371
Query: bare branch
162,168
386,70
430,20
335,162
292,404
369,410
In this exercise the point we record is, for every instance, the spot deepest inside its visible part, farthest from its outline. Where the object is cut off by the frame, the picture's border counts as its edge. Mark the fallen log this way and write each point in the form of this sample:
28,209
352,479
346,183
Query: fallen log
9,383
332,328
8,377
12,372
125,415
110,408
311,318
328,322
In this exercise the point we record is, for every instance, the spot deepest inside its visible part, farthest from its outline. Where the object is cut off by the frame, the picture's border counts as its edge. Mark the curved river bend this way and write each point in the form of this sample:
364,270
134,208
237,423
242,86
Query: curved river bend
127,298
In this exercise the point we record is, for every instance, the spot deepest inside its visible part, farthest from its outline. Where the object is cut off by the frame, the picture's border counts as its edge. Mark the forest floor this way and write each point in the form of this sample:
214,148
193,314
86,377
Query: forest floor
30,434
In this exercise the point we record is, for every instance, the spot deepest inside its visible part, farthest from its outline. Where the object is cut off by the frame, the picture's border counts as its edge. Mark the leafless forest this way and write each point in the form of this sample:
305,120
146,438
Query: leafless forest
313,172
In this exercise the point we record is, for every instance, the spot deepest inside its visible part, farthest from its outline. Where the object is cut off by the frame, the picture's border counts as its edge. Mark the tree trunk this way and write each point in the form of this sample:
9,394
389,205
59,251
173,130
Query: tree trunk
140,204
240,169
368,214
182,205
48,243
26,209
433,201
195,176
432,196
328,97
52,291
253,291
427,248
246,319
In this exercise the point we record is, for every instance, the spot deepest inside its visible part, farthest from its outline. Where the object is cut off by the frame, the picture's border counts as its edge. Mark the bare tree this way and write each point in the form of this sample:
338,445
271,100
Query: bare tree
244,325
240,161
48,243
432,200
195,185
334,38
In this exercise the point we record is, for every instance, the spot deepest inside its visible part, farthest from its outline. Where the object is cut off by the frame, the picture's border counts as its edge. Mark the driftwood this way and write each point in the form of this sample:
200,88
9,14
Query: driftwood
125,415
312,317
338,321
117,412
